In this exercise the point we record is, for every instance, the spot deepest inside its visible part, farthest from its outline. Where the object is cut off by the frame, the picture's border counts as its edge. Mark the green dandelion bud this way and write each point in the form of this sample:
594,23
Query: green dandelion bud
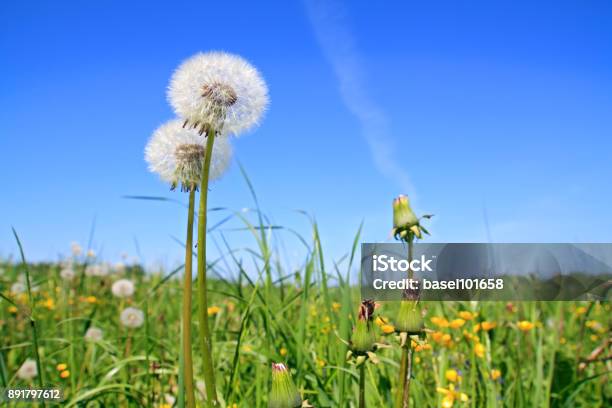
409,319
363,338
403,216
284,393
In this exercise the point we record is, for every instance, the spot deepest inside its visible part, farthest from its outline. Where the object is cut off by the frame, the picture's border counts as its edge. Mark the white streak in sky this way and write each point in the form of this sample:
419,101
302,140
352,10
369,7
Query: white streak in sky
328,18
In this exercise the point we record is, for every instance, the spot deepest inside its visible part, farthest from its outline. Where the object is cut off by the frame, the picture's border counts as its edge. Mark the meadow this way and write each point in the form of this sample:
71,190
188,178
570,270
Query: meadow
471,354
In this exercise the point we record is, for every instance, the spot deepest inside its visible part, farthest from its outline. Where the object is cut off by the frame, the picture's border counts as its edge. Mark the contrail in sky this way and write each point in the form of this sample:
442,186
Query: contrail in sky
329,21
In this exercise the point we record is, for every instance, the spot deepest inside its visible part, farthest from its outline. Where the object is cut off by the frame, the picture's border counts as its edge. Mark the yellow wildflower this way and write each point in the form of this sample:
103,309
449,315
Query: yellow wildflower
12,309
525,325
439,321
388,329
49,304
479,350
61,367
486,326
452,375
213,310
450,395
321,362
594,337
465,315
563,340
595,326
581,310
247,348
65,374
336,306
495,374
283,351
456,323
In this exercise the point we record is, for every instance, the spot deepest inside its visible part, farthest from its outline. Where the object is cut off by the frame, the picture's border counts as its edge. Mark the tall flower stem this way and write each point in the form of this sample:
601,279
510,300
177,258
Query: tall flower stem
205,341
188,362
403,397
362,386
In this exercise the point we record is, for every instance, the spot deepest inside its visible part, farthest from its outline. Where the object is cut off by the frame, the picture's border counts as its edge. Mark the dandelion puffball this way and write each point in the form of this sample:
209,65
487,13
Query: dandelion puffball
132,318
177,155
28,370
219,90
67,273
93,334
123,288
17,288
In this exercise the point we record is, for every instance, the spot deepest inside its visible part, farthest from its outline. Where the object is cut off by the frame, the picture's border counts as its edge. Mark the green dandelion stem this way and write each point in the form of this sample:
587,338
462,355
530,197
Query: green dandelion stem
205,343
362,386
188,362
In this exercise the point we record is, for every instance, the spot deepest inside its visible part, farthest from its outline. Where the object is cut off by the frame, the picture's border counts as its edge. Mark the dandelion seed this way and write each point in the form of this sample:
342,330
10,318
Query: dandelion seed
28,370
218,90
132,318
123,288
177,155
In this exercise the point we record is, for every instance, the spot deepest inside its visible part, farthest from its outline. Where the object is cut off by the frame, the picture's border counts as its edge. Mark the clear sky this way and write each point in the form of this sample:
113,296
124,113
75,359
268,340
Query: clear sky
493,113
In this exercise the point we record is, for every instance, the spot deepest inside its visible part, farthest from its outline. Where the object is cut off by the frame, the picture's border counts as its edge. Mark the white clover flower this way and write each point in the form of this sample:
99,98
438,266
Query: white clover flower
177,155
67,273
18,288
28,370
219,90
131,317
93,334
123,288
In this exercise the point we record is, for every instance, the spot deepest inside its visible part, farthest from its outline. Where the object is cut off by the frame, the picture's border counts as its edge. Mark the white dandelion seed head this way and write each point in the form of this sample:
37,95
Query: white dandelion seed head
219,90
131,317
67,273
177,155
76,249
123,288
28,370
18,288
99,270
93,334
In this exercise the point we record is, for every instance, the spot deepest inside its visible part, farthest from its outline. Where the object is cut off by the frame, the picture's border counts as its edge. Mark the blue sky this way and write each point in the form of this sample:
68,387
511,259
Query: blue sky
486,113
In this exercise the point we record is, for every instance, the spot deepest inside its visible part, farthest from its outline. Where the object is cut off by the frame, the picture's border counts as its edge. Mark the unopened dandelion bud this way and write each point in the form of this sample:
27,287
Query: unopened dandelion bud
403,216
363,338
284,393
409,318
360,360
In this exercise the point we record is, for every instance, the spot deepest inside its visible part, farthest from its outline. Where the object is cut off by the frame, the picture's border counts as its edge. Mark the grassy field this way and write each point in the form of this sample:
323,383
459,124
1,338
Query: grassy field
472,354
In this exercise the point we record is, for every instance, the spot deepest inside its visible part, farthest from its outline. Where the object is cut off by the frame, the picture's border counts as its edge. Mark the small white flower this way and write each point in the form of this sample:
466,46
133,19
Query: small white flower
67,273
18,288
28,370
132,317
177,155
219,90
123,288
76,249
93,334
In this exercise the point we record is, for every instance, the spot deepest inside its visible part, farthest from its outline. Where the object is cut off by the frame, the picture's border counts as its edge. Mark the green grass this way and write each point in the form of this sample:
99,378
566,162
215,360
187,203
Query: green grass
300,317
